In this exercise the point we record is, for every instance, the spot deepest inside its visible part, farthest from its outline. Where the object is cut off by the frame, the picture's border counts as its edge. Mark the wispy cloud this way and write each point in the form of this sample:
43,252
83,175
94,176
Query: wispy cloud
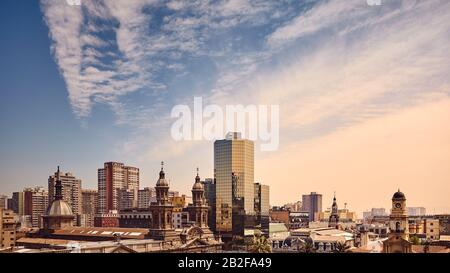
327,63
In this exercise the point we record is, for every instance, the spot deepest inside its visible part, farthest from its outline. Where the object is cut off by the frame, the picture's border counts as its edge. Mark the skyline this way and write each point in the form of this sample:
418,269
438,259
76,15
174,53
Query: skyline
363,92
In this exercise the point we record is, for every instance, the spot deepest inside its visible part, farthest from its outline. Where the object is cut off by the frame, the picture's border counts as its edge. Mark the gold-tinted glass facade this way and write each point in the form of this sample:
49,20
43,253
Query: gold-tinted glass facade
233,156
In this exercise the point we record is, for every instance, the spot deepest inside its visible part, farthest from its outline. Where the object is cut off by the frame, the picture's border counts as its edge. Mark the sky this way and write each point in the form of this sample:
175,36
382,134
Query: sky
363,92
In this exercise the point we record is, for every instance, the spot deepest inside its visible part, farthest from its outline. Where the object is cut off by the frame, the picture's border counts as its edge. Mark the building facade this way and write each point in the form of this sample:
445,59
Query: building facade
210,194
89,206
312,203
145,197
262,207
112,178
109,220
35,204
7,228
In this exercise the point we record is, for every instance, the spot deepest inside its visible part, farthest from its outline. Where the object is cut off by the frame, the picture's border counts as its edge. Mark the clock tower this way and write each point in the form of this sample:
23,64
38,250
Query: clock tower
398,221
398,241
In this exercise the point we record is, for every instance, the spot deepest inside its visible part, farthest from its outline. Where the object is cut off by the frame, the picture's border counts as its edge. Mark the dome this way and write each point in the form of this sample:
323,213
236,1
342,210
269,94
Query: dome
197,186
399,195
162,182
59,208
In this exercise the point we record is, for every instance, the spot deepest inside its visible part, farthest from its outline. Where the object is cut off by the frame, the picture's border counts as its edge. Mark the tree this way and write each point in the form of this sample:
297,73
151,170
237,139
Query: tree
341,248
308,247
414,240
260,244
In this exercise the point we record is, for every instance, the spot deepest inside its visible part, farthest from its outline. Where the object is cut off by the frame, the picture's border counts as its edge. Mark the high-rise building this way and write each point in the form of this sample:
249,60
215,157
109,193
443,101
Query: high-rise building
88,207
7,228
127,199
71,193
145,197
210,195
234,167
262,207
312,203
35,204
112,178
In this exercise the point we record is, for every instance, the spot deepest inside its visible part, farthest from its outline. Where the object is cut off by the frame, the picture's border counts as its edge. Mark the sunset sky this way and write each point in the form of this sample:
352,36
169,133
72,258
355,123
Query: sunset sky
363,91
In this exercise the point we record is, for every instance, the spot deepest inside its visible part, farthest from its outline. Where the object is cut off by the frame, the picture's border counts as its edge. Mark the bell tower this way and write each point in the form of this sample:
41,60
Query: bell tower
198,210
398,239
162,210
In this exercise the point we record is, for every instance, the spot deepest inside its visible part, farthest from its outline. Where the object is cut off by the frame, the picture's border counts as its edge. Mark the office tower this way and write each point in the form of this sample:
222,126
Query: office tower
88,207
18,203
145,197
127,199
71,190
35,204
312,203
112,178
210,196
3,202
262,207
7,228
234,166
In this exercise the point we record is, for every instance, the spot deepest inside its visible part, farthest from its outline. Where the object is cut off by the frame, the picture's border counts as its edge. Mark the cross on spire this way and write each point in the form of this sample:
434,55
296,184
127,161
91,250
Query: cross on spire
162,165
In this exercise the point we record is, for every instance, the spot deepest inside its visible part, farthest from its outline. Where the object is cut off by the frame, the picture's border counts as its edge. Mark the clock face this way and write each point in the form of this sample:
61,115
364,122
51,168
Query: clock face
398,205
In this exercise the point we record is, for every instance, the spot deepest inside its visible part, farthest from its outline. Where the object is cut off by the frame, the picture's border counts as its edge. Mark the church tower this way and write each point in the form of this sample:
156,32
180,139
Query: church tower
334,217
162,210
198,210
398,221
398,239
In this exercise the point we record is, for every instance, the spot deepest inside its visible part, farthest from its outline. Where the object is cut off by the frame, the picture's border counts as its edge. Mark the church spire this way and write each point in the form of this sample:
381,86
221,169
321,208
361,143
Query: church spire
197,178
162,175
58,186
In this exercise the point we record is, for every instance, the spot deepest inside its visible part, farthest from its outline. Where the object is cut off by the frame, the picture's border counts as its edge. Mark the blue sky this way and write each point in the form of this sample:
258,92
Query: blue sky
86,84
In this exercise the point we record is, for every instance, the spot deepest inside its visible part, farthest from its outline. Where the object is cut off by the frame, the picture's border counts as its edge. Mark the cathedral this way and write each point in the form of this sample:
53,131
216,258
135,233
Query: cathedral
398,239
162,211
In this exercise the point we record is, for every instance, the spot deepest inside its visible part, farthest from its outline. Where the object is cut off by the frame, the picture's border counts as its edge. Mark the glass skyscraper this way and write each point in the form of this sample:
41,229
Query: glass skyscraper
235,192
